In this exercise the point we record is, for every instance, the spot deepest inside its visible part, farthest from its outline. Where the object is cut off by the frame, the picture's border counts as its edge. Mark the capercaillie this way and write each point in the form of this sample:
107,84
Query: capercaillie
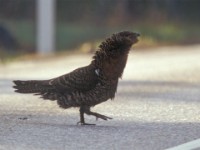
90,85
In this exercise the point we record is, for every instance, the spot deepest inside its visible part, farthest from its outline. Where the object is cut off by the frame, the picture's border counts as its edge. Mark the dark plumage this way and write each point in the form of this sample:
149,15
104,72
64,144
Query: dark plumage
90,85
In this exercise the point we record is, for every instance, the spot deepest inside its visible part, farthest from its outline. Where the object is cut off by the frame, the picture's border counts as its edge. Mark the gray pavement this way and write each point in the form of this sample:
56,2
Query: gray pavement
157,105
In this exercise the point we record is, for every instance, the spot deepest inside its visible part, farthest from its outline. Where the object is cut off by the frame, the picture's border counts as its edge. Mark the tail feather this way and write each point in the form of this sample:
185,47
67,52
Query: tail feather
31,86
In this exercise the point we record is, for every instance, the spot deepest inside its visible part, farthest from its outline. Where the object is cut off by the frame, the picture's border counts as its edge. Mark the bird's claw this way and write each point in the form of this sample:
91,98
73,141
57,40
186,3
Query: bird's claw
83,123
102,117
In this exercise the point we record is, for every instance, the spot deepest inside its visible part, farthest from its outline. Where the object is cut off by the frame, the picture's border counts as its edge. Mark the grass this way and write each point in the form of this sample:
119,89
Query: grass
71,36
172,34
23,31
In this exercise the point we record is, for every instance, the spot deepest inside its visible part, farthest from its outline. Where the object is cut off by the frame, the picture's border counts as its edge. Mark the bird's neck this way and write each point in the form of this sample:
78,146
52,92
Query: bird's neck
111,67
114,67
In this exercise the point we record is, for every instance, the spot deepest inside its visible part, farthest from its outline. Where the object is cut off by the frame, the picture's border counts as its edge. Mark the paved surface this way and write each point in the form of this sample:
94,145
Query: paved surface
157,105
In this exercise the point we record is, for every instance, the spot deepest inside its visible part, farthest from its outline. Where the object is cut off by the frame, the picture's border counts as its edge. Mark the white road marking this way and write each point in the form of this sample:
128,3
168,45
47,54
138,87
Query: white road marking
187,146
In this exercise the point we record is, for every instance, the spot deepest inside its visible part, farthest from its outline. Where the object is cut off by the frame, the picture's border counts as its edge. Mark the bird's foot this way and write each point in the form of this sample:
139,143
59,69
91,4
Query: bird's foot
83,123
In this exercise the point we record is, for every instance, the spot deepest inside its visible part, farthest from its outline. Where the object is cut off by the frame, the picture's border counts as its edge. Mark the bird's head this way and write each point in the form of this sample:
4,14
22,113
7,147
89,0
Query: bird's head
117,45
121,41
127,37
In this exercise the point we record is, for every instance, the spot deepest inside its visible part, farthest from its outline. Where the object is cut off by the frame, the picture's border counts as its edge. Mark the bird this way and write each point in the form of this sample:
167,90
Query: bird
90,85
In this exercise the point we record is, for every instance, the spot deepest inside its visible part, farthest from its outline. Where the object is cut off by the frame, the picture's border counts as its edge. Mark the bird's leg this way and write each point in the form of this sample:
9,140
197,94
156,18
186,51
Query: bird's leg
88,112
82,119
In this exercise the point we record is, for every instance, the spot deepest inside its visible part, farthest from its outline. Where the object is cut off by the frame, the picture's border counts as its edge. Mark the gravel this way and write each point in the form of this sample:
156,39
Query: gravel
156,106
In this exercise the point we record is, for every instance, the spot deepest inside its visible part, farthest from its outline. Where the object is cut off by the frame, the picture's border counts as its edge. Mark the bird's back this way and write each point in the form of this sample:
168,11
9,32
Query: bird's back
81,79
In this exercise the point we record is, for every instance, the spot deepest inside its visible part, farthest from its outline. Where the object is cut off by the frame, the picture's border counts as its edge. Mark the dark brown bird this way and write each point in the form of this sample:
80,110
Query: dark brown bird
90,85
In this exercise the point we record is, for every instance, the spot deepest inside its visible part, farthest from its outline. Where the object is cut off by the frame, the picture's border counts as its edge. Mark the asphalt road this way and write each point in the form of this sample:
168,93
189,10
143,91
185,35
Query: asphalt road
157,105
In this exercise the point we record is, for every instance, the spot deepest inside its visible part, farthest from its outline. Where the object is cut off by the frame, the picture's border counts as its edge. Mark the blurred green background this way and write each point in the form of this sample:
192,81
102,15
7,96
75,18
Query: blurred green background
84,23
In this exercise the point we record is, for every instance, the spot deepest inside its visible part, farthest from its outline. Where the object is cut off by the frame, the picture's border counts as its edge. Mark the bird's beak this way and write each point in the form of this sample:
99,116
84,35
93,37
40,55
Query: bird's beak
137,34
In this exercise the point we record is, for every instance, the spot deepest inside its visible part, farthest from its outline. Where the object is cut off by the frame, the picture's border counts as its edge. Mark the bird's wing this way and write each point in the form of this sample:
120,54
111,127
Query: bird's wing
81,79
